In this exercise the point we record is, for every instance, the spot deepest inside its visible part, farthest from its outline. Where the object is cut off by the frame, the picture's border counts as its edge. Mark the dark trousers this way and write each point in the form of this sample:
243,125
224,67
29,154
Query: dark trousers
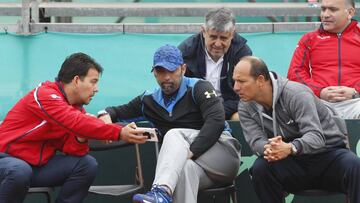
334,170
74,174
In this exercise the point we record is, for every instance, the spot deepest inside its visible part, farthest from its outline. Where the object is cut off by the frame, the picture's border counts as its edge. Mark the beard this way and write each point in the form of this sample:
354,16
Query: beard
168,88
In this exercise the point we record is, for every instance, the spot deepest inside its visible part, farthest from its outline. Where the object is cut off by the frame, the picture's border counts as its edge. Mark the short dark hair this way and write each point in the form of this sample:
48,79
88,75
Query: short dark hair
77,64
257,67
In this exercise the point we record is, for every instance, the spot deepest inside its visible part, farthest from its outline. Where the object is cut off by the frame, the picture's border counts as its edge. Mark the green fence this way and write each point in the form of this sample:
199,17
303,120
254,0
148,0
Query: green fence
25,61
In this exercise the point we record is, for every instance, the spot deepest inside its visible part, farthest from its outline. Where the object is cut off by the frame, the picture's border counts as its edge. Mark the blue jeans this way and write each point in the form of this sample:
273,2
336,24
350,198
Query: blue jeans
74,174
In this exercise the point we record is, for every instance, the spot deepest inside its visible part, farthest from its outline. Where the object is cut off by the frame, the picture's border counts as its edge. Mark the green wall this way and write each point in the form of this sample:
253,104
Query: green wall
127,59
25,61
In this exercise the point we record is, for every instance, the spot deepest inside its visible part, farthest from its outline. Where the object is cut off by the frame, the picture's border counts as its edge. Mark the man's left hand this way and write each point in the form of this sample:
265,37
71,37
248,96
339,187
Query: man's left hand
276,149
337,93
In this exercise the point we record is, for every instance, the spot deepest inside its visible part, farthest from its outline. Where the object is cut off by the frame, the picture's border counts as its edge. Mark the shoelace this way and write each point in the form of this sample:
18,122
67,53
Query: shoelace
156,189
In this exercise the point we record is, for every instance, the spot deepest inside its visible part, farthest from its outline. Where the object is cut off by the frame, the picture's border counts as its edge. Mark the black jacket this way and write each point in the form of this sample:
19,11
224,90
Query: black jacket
195,107
193,50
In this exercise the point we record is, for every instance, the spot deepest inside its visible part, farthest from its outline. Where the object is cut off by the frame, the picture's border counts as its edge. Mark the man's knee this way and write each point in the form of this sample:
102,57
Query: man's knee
260,168
18,173
173,132
172,135
353,162
88,164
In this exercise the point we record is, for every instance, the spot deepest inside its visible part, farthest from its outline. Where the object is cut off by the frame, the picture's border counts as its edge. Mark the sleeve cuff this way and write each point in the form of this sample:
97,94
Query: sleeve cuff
112,114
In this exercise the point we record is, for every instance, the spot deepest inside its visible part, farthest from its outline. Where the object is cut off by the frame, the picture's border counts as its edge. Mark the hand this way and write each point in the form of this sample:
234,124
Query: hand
276,149
190,154
106,118
80,139
130,134
89,114
336,93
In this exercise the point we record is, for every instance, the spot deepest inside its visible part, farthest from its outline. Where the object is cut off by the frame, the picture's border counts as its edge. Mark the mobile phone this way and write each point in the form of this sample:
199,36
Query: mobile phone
150,133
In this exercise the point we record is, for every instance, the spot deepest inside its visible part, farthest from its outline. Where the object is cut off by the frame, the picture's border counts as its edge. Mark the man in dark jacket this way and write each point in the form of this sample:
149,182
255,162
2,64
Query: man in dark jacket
197,150
213,53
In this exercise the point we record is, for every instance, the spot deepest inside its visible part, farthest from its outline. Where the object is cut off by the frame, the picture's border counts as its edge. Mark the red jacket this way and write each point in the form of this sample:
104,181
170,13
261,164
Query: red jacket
43,122
323,59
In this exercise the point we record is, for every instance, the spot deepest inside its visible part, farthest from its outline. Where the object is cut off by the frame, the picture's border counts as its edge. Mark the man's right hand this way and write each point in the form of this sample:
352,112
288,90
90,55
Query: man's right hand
336,93
276,149
130,134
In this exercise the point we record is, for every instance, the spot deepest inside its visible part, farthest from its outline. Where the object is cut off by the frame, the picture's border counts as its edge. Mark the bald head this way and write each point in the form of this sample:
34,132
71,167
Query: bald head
257,67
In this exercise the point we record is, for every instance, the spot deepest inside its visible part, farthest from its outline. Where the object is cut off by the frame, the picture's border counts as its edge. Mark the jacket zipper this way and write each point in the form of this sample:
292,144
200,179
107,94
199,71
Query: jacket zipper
23,135
339,57
41,152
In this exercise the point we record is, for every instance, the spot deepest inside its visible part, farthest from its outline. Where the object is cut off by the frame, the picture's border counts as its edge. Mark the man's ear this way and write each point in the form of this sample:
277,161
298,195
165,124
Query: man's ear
203,30
183,68
76,80
261,80
351,13
233,33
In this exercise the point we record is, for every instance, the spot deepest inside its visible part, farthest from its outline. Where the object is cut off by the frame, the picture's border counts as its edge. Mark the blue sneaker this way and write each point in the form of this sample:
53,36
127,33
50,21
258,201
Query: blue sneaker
156,195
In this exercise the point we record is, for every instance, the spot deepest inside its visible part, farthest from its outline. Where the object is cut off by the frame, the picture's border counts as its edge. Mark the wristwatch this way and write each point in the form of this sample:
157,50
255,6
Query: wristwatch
102,113
355,94
294,150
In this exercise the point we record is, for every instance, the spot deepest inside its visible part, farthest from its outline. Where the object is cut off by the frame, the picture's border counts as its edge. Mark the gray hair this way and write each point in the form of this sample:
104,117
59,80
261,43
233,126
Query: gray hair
222,20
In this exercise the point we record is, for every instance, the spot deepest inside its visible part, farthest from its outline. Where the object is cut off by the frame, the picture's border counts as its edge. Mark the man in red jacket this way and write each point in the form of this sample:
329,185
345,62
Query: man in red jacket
51,118
327,60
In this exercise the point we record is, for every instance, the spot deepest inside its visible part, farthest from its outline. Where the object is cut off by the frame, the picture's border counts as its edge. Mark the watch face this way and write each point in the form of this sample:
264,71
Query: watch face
102,113
355,94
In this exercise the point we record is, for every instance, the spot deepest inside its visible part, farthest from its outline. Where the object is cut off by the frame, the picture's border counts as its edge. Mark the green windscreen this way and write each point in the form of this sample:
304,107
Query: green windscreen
25,61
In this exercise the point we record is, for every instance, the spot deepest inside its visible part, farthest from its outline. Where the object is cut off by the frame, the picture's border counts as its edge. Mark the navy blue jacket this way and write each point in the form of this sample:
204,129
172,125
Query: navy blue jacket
193,50
195,106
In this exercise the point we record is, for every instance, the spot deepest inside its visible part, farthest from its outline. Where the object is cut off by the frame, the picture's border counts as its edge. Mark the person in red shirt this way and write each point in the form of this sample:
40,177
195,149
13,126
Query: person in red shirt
51,118
327,60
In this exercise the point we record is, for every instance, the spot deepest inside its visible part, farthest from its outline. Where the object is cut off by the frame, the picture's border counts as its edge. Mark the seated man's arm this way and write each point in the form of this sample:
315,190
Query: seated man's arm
130,112
58,112
304,111
214,120
252,130
231,108
299,69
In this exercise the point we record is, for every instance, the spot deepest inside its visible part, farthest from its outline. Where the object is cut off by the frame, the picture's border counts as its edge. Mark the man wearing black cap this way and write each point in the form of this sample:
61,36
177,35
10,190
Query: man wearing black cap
197,150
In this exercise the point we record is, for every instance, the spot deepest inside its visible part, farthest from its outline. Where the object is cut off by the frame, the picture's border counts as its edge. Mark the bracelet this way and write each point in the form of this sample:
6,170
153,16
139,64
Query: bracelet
294,150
